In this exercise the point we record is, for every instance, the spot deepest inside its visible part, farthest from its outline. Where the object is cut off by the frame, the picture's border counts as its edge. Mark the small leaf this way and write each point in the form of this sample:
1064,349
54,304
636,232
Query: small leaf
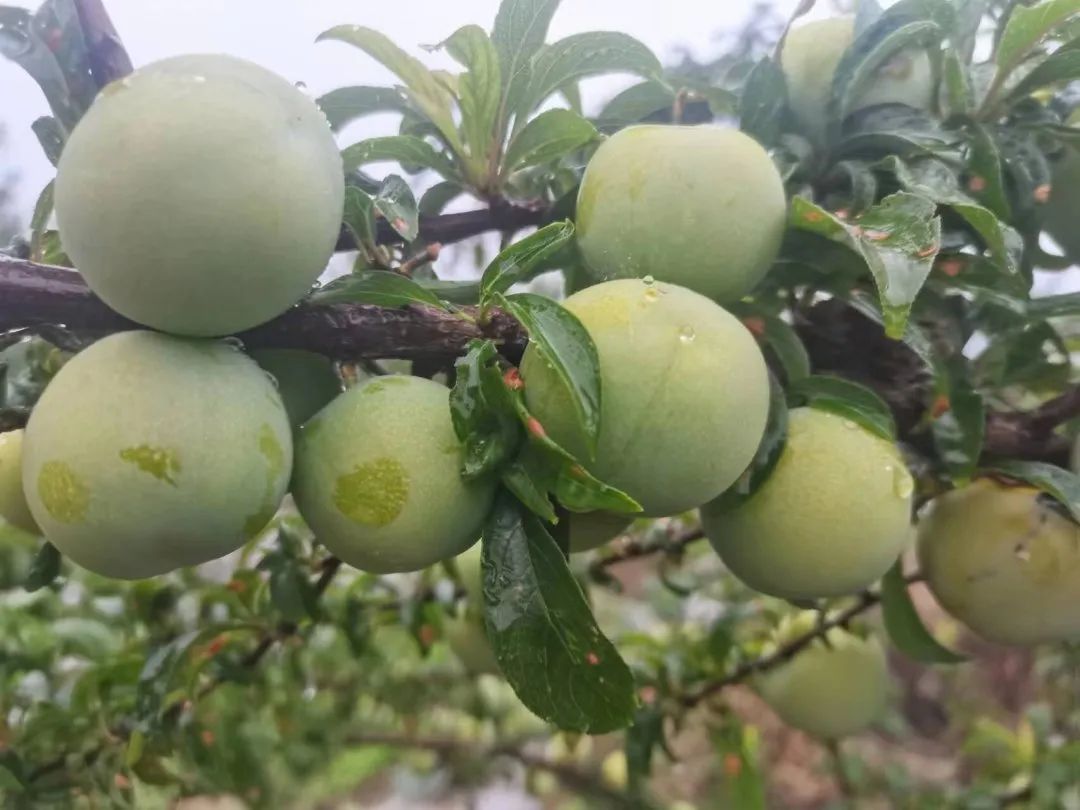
424,89
483,412
44,569
905,628
562,341
480,89
1061,66
347,104
378,287
634,104
547,137
436,198
958,429
987,180
520,30
1062,485
848,399
51,136
1026,27
642,739
401,148
395,201
359,216
525,259
520,480
957,95
764,99
583,55
543,633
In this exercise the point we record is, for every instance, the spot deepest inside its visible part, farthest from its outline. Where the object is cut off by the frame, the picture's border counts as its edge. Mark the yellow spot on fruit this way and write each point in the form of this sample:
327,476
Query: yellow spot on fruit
160,462
63,494
272,451
373,493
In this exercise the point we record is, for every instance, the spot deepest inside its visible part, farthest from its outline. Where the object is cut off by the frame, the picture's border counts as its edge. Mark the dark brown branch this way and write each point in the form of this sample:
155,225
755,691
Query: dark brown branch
447,228
635,549
109,60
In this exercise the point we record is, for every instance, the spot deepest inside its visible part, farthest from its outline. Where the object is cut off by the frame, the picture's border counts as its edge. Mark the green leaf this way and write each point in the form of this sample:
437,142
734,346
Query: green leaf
44,569
1055,306
436,198
483,413
634,104
988,181
778,336
763,101
395,201
848,399
543,633
1027,26
347,104
547,137
766,456
524,259
1061,66
957,95
51,136
520,30
898,239
560,339
936,180
520,480
743,786
39,222
904,626
1062,485
642,739
425,91
580,56
359,216
893,129
958,430
156,678
480,89
291,591
378,287
401,148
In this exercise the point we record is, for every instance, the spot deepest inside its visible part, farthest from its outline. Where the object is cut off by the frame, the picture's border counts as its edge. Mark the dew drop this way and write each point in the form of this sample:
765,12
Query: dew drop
687,334
273,379
233,343
1022,552
850,425
648,281
903,483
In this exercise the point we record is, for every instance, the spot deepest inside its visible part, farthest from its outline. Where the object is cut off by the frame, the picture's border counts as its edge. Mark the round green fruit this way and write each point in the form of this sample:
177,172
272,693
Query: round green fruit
701,207
202,195
306,381
147,453
831,518
835,687
378,477
590,530
684,390
468,640
811,55
13,506
1003,562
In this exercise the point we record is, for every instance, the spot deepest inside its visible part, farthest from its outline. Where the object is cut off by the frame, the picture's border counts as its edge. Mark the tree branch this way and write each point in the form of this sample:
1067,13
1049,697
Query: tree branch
109,60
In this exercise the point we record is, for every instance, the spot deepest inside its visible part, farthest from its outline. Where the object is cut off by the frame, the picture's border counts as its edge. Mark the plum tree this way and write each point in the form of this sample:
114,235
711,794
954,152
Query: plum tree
836,687
1003,562
306,381
701,207
377,477
13,506
254,198
148,452
811,55
831,518
664,351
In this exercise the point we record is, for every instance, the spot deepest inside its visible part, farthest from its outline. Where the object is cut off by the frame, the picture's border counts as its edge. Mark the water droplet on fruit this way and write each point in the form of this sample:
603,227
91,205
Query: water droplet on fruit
687,334
272,378
648,281
850,425
1023,553
233,343
903,483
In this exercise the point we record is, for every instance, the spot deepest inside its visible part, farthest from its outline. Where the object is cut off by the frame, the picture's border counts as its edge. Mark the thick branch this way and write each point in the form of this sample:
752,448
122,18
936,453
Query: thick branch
109,60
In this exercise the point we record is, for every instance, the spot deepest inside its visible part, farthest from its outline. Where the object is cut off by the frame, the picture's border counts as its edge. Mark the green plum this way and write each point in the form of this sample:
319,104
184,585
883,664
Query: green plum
13,506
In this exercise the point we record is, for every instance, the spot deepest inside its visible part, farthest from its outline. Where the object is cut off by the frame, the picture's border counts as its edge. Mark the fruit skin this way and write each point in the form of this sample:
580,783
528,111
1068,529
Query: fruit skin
1061,214
811,55
202,195
590,530
306,381
13,506
701,207
828,690
1003,563
377,477
685,394
831,518
147,453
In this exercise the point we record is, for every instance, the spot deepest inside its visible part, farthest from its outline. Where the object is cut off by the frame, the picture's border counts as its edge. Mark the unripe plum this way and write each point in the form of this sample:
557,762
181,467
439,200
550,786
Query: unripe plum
701,207
811,55
831,518
590,530
201,195
13,506
378,477
684,393
835,687
1003,562
147,453
306,381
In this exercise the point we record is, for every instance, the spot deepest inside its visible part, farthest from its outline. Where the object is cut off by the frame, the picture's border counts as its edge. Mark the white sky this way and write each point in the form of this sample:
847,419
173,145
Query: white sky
280,35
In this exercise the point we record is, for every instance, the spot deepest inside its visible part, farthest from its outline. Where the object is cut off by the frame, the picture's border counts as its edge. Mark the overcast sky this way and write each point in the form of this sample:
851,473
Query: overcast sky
281,36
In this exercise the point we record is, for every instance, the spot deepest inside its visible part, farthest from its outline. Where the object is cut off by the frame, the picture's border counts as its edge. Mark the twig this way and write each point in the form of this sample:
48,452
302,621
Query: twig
636,549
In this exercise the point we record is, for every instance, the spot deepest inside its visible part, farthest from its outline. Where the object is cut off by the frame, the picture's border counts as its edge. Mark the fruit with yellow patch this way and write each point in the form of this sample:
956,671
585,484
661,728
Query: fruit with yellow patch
811,55
306,381
833,688
701,207
378,477
685,394
13,506
831,518
1004,561
147,453
201,195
